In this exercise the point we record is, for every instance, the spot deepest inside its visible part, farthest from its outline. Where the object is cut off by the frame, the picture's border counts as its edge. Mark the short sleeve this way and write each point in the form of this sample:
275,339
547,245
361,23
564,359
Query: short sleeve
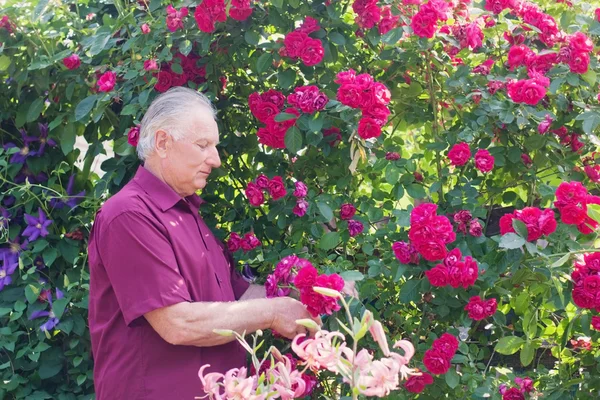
141,265
238,283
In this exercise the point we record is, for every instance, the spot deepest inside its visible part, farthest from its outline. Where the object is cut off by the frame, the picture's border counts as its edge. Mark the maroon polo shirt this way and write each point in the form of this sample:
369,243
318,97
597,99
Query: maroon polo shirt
149,248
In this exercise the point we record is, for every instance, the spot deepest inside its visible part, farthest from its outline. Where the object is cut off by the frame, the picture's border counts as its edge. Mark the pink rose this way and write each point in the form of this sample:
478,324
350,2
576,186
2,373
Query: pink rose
475,228
234,243
145,29
175,17
309,25
72,62
294,43
306,277
349,94
301,189
150,65
368,128
345,77
133,136
459,154
262,181
355,227
474,36
369,17
312,52
277,188
300,208
484,161
107,81
347,211
432,249
254,194
424,24
579,62
519,55
438,276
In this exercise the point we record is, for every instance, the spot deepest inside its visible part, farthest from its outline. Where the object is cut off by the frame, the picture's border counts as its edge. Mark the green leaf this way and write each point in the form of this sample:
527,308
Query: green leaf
535,142
392,174
520,227
527,353
561,261
452,378
99,43
177,68
511,241
58,306
325,211
39,9
591,120
315,124
329,240
185,47
509,345
252,38
416,191
66,138
393,36
409,292
32,293
594,211
277,3
35,110
4,62
293,139
590,77
337,38
285,79
84,107
81,379
281,117
264,62
351,276
530,320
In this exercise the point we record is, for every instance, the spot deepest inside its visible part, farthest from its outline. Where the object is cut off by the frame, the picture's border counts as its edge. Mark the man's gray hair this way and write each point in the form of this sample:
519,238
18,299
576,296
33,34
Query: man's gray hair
168,112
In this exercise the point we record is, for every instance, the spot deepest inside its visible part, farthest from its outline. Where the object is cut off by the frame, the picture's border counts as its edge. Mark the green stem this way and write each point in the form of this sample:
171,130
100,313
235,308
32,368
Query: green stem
435,124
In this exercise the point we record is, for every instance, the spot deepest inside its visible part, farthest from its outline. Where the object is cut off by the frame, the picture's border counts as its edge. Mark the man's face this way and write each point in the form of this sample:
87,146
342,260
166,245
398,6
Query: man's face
189,161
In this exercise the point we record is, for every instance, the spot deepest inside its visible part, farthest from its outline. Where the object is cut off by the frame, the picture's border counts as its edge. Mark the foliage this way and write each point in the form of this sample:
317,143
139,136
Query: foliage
529,117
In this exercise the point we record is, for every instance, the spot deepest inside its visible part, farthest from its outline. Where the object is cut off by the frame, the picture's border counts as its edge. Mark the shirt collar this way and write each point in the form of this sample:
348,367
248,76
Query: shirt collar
162,194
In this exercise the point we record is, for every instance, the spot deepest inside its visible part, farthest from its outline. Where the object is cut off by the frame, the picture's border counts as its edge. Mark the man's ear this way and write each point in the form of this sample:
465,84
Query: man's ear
162,142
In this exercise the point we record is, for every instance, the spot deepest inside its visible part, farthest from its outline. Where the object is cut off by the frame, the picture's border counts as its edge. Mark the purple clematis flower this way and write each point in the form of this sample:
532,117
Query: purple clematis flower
9,266
52,320
24,152
36,227
26,173
14,248
43,139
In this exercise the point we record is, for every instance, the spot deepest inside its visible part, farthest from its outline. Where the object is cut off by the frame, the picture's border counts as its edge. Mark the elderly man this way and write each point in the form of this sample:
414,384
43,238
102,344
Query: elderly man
160,281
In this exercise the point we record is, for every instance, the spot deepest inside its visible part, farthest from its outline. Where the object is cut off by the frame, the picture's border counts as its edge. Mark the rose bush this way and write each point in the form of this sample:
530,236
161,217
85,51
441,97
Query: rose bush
440,154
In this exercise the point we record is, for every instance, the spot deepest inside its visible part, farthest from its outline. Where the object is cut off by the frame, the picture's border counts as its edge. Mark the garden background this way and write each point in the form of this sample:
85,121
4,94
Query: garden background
483,108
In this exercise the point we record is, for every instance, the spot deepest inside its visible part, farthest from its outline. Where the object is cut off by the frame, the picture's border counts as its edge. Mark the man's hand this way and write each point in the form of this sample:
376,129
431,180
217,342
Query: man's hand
285,314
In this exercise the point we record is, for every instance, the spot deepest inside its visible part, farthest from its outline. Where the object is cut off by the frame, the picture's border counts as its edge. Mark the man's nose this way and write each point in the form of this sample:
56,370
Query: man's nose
215,159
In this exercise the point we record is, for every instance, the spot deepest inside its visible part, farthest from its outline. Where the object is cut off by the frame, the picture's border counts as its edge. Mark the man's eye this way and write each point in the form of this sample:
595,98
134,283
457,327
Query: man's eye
202,146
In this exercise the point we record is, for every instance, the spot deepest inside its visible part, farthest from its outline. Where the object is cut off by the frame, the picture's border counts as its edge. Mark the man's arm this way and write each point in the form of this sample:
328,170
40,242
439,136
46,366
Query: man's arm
192,324
254,292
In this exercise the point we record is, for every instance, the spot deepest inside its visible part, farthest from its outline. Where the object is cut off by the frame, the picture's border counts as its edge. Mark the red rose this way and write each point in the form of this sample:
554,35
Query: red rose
349,94
309,25
369,17
234,243
355,227
491,306
312,52
422,213
368,128
513,394
424,23
416,384
72,62
405,253
438,276
294,43
573,214
595,318
133,136
361,5
107,81
592,284
579,62
277,188
145,29
432,250
264,111
519,55
306,277
175,17
597,11
262,181
345,77
469,272
579,41
547,222
240,14
273,96
484,161
459,154
446,344
347,211
582,298
203,20
476,308
436,362
254,194
271,138
164,81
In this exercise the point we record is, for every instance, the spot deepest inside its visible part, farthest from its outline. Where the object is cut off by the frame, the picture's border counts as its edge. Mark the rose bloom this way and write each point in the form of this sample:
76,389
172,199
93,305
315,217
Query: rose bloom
438,276
133,136
72,62
347,211
254,194
277,188
175,17
484,161
355,227
368,128
107,81
164,81
145,29
312,52
596,322
513,394
150,65
459,154
436,362
424,24
416,384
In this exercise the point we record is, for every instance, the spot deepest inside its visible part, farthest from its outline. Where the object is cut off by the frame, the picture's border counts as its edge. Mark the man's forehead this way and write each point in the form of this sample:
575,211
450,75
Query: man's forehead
203,128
